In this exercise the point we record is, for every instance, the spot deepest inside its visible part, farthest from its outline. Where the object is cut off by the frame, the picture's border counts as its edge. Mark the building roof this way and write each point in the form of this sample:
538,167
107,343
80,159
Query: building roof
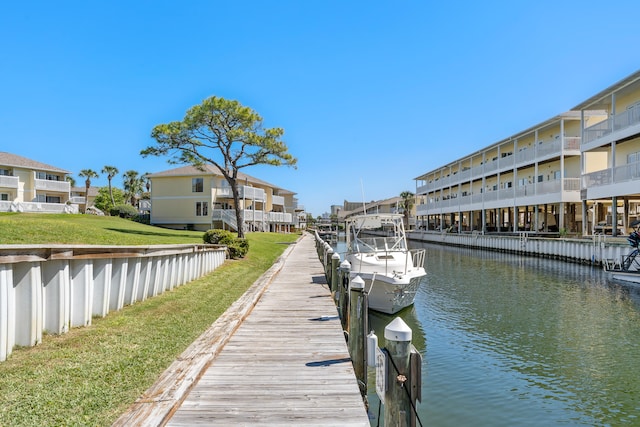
191,170
13,160
602,99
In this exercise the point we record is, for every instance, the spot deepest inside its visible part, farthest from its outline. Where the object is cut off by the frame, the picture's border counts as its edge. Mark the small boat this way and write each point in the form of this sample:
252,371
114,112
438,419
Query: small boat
378,253
626,269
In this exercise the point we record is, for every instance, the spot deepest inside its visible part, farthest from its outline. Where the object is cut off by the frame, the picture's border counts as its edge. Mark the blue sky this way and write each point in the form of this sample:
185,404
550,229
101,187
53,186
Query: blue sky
370,94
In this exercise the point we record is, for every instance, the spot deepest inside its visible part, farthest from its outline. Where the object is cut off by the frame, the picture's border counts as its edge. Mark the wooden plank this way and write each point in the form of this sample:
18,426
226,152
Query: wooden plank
277,357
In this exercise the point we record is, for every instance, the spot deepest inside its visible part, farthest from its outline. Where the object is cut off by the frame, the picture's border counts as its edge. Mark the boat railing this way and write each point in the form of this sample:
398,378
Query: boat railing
417,257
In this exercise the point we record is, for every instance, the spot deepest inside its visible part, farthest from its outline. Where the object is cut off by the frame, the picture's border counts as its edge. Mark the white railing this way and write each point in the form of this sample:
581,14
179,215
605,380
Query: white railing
77,199
35,207
59,186
277,200
244,192
9,181
619,174
612,124
507,194
227,216
52,289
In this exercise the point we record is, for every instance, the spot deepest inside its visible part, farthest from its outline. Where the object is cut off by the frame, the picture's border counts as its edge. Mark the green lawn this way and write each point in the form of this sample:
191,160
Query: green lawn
90,375
22,228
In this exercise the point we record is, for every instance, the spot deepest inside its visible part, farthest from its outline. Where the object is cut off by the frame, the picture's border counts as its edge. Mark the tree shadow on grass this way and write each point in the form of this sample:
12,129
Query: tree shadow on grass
149,233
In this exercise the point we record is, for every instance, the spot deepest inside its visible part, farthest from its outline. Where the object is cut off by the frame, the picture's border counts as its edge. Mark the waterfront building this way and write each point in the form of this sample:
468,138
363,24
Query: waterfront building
563,175
189,198
27,185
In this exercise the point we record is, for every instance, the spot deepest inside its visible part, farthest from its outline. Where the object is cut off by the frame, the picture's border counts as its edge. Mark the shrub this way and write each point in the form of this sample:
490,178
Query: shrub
124,211
237,248
218,237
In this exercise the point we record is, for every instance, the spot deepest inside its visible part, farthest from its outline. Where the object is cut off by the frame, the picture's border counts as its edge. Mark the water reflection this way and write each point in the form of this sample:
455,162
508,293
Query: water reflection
509,340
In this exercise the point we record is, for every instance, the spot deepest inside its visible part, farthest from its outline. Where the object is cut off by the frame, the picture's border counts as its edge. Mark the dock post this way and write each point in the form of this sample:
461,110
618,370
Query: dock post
404,376
335,263
358,313
343,294
328,264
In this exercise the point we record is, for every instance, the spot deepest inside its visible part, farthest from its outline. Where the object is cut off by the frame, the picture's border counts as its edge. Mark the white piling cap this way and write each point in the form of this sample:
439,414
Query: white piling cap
357,283
397,330
335,255
345,265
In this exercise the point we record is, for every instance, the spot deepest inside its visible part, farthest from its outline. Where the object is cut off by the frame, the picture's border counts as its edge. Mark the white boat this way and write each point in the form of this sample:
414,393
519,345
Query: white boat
378,253
627,269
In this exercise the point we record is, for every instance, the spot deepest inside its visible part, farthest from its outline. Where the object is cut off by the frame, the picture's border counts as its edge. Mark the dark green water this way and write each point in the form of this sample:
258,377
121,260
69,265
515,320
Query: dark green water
514,341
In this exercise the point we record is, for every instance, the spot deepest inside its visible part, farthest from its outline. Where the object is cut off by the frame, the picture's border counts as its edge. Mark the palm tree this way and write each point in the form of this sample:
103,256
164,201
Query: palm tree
111,171
87,173
407,204
133,185
71,180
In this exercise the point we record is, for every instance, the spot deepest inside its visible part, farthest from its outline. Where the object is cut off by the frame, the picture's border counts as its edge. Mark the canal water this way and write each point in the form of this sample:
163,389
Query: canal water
508,340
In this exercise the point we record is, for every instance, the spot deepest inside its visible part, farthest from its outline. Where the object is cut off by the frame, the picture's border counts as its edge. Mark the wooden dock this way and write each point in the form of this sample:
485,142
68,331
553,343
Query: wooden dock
287,362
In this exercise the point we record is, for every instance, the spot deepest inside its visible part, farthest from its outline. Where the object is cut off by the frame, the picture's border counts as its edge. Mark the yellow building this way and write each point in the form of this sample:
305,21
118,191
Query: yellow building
562,175
30,186
187,198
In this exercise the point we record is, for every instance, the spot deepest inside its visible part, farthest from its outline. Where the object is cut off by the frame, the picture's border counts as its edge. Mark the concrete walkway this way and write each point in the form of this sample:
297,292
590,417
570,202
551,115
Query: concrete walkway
284,362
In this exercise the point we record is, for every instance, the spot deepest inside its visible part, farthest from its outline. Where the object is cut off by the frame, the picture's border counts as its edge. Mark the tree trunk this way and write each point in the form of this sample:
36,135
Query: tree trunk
113,202
236,203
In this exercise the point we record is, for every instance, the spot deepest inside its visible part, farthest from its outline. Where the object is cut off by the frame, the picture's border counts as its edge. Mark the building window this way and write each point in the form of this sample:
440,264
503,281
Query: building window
4,197
202,208
197,185
47,176
633,157
5,172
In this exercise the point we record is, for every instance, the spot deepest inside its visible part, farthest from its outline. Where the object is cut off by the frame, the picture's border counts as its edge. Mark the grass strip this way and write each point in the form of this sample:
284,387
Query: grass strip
91,375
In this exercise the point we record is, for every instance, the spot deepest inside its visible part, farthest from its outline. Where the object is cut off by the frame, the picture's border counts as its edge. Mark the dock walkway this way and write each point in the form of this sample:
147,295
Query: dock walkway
287,362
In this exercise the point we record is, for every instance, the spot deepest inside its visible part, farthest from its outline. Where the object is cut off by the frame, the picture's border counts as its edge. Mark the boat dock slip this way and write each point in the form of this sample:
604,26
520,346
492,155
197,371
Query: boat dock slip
287,363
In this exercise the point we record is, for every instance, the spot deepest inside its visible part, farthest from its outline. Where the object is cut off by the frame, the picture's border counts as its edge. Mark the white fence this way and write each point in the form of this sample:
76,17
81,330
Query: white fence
589,250
56,288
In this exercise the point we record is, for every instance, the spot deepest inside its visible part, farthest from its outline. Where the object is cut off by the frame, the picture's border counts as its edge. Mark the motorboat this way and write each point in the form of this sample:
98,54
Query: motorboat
377,251
626,269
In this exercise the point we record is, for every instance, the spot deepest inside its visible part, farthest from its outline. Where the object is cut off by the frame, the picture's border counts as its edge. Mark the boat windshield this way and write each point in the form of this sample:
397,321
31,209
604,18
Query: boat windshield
377,244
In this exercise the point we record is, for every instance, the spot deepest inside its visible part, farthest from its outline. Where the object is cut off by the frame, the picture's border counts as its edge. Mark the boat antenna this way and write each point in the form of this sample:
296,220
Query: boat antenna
364,206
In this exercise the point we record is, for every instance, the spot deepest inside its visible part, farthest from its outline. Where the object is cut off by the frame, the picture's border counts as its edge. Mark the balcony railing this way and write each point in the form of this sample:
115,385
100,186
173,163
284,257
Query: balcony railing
569,185
58,186
244,192
280,217
277,200
8,181
619,174
612,124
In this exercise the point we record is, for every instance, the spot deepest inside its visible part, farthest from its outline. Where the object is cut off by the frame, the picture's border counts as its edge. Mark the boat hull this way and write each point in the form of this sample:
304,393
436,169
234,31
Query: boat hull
387,294
624,276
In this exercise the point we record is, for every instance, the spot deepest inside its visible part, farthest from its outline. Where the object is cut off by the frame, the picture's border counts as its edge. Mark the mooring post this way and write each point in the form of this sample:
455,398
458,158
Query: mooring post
397,410
335,263
358,332
343,295
328,264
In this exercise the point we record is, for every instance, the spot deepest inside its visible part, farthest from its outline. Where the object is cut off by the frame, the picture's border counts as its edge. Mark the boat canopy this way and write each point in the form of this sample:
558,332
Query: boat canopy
374,221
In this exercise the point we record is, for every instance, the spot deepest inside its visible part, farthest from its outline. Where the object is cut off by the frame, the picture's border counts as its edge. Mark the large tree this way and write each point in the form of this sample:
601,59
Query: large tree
88,174
225,134
111,171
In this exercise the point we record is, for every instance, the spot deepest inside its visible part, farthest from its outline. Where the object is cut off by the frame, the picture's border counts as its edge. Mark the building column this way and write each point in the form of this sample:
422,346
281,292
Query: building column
561,223
614,216
585,218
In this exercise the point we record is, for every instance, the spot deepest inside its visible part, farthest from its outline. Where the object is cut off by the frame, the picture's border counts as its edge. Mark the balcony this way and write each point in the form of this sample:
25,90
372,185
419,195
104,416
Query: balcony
525,194
244,192
280,217
8,181
617,126
57,186
277,200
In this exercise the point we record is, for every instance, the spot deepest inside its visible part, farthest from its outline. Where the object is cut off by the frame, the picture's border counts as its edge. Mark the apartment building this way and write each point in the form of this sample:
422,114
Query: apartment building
563,175
30,186
188,198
